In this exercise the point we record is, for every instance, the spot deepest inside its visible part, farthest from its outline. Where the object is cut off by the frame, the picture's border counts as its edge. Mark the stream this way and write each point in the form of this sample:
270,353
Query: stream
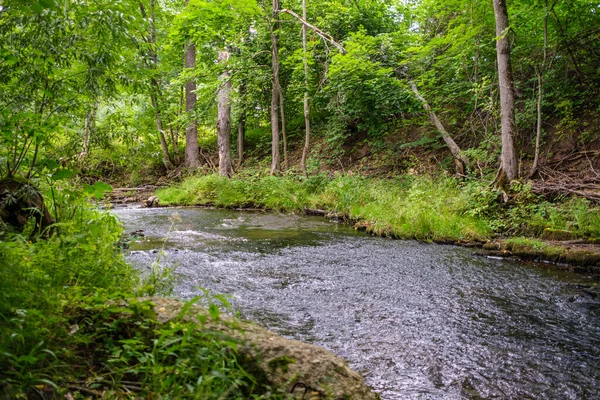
418,321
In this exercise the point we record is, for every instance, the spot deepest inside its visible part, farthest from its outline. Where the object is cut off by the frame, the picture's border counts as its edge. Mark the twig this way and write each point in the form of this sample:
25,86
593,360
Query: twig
85,390
319,32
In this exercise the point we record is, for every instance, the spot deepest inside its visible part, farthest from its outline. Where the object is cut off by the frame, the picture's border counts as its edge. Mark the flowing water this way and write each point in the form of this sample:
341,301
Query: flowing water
419,321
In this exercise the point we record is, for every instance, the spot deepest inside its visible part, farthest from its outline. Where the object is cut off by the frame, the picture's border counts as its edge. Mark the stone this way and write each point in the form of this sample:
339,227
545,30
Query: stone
19,201
151,202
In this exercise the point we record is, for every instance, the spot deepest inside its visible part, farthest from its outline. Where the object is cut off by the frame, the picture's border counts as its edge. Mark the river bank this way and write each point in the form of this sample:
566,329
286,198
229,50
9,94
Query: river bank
441,210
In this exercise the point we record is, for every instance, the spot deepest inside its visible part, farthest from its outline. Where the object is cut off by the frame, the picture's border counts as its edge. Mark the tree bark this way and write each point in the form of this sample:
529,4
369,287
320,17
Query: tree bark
508,162
224,120
86,137
538,132
460,161
274,26
167,161
306,148
192,157
540,76
283,129
241,138
88,129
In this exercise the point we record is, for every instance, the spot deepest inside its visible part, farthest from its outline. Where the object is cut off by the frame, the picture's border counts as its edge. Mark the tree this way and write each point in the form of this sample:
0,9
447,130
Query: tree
276,91
151,59
460,161
224,119
192,157
306,148
508,163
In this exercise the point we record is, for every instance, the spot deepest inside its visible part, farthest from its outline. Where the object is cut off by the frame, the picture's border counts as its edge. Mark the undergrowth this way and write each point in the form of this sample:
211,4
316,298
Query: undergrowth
409,207
71,327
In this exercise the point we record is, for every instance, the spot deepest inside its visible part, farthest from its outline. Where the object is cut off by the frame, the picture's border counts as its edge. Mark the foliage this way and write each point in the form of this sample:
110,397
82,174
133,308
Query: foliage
65,328
181,359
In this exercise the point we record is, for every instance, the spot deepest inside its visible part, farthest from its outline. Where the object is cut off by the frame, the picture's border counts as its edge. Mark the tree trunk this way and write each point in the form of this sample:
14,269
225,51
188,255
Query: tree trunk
306,148
275,164
283,130
167,161
86,137
240,138
192,157
155,86
174,139
224,120
538,133
508,162
540,76
460,161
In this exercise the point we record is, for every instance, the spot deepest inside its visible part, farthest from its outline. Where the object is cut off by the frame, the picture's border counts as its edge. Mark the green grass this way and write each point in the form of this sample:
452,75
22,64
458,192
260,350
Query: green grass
424,208
421,208
530,245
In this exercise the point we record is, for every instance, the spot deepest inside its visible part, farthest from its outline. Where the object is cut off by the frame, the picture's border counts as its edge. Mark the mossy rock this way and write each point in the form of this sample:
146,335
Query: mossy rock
20,201
491,246
558,234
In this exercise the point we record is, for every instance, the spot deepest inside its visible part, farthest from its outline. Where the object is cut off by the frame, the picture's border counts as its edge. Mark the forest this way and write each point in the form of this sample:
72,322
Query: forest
458,122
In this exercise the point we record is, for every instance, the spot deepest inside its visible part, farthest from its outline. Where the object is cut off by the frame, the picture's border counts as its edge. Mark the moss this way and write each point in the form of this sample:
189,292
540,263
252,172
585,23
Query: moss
282,363
558,234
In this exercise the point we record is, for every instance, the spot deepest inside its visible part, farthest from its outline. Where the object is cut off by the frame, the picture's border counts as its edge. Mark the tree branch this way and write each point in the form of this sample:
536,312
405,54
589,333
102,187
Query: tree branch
319,32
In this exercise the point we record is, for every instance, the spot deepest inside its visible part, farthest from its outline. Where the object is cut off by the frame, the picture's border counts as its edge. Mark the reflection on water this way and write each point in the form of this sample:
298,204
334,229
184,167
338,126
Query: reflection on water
419,321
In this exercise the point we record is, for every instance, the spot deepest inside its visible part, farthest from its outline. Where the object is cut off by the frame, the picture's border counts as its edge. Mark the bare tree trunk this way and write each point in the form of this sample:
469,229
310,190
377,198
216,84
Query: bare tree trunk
224,120
275,165
540,76
86,137
167,161
174,140
306,148
192,157
508,163
538,133
283,130
460,161
241,138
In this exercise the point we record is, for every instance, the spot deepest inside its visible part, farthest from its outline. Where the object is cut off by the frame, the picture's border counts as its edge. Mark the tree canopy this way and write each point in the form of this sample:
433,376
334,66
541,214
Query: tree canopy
108,77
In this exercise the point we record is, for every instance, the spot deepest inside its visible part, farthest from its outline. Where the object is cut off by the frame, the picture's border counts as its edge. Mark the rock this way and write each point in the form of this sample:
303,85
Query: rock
151,202
491,246
19,201
558,234
304,370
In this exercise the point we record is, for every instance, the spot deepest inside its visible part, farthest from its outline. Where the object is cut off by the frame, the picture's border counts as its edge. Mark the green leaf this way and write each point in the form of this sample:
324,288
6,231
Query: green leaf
63,174
214,312
47,4
98,189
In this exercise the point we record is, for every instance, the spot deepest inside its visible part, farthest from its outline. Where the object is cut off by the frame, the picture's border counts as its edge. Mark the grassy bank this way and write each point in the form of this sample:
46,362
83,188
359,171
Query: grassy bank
408,207
61,338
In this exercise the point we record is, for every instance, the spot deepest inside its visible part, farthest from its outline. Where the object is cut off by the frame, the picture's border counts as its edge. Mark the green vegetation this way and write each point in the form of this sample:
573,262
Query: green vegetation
97,91
535,246
441,209
64,328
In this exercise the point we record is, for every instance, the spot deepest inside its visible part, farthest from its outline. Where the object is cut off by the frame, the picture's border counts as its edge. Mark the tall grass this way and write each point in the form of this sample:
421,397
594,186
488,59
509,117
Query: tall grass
420,208
424,208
